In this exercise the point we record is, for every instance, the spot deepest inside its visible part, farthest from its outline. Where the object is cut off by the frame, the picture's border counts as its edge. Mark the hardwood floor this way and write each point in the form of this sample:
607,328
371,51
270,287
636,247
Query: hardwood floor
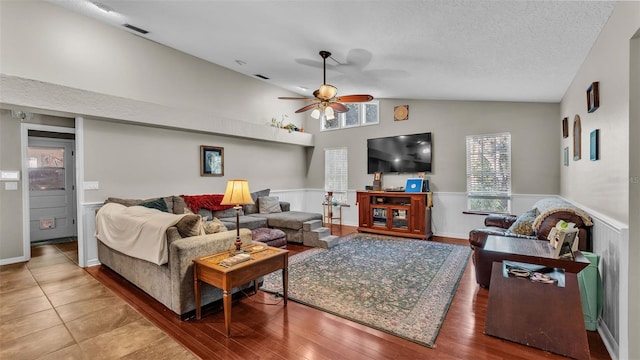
263,329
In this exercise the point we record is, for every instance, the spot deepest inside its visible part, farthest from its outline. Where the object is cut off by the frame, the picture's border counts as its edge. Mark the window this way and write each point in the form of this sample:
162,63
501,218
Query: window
489,173
335,172
359,114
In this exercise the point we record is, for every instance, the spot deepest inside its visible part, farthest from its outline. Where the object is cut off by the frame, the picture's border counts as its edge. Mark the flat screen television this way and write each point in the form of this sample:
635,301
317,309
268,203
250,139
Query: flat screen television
399,154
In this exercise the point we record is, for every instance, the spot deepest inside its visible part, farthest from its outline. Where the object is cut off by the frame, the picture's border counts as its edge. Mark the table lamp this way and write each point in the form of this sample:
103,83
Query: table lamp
237,194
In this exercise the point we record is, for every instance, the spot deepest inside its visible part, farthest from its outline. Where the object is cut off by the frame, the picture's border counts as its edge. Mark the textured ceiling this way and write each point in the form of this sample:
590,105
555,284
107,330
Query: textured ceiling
406,49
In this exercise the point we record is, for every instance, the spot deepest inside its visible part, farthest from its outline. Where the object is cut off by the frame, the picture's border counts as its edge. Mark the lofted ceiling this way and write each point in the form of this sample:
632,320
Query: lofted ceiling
402,49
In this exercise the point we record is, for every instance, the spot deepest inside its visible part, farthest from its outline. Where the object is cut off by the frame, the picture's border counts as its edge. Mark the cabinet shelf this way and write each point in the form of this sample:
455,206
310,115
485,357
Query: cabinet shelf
392,213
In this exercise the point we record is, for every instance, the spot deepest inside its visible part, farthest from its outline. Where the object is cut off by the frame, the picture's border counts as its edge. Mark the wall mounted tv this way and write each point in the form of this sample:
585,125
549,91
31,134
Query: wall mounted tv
399,154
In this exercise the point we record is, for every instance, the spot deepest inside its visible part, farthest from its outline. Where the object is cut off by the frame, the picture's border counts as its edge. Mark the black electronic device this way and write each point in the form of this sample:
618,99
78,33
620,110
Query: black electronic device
400,154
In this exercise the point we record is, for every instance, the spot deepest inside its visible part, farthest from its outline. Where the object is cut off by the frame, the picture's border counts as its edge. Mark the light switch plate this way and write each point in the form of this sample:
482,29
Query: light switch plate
8,175
91,185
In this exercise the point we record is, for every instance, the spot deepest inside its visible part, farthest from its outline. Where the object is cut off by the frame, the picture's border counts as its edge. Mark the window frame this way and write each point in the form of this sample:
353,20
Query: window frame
362,117
500,168
336,154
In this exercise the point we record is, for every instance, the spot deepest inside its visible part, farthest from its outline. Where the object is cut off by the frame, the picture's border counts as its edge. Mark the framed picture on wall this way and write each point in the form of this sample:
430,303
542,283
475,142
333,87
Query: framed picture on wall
577,143
594,145
593,97
211,161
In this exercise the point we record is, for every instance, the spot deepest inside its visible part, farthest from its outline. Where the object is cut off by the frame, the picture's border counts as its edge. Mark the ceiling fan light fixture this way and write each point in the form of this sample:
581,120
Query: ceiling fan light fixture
315,113
329,114
327,91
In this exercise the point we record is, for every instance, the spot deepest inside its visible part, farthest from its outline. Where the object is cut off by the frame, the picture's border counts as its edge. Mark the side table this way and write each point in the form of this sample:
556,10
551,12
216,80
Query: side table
208,269
545,316
328,215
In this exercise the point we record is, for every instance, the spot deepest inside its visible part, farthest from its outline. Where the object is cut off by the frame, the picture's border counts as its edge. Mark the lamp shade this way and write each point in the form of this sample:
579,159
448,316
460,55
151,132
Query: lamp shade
237,193
328,113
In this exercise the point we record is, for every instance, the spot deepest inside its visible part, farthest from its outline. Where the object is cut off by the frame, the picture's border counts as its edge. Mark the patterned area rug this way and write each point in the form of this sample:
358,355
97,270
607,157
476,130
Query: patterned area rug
403,287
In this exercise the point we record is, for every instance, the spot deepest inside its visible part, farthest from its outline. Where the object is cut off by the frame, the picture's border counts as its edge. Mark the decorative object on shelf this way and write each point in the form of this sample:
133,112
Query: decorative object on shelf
577,130
594,145
211,161
413,185
565,158
377,181
237,194
565,128
401,112
325,101
593,97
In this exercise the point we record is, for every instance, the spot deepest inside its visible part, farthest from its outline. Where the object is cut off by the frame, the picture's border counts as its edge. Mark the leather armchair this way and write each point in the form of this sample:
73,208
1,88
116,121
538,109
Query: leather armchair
496,224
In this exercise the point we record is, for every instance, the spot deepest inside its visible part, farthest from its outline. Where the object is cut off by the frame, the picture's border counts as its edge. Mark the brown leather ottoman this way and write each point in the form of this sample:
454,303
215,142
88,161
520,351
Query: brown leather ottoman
271,237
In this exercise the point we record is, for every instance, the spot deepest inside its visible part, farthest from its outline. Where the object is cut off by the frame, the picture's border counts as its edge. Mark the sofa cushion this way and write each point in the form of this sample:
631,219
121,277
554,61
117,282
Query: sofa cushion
269,204
158,204
226,213
179,206
214,226
190,225
524,223
246,221
253,208
289,219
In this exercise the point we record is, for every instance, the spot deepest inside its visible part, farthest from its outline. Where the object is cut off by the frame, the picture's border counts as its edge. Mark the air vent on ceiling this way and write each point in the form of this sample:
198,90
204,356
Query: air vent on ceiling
261,76
135,28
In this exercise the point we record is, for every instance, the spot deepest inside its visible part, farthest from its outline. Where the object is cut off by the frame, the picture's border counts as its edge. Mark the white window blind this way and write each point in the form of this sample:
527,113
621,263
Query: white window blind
489,173
335,172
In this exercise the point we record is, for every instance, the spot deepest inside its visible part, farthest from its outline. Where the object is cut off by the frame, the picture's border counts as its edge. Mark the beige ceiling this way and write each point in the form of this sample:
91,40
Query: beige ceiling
406,49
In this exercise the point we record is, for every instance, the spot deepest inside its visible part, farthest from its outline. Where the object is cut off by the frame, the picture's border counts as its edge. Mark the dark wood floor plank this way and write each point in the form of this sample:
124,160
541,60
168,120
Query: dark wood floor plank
261,331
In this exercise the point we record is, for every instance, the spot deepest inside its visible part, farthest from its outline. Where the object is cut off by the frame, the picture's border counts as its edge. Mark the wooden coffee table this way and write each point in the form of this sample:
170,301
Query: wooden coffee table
208,269
545,316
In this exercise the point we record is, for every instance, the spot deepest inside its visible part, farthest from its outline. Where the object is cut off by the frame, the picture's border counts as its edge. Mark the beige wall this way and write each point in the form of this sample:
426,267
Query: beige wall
139,162
10,200
609,186
603,185
634,196
534,127
11,245
64,48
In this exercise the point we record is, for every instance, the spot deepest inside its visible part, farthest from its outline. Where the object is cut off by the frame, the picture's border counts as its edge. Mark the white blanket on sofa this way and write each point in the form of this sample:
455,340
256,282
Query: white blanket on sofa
135,231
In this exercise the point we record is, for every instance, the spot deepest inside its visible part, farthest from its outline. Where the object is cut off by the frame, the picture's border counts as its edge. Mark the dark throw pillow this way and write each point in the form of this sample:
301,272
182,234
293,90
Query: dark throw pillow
190,225
158,204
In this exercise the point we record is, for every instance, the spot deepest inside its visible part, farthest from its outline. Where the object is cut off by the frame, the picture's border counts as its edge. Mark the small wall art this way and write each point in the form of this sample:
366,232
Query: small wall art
565,128
594,145
401,113
593,97
577,143
211,161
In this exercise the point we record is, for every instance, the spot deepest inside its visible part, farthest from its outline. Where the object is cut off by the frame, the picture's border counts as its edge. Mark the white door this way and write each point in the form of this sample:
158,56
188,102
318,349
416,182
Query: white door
51,188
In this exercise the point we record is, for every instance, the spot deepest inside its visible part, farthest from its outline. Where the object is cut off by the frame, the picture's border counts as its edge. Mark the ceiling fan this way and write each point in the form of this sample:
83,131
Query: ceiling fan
325,100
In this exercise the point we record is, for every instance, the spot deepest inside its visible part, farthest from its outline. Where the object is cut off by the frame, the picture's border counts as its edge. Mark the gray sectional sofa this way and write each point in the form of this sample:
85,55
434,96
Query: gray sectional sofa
172,283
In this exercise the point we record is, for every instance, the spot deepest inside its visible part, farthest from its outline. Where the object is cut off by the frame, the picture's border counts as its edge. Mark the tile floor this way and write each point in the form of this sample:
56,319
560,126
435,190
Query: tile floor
52,309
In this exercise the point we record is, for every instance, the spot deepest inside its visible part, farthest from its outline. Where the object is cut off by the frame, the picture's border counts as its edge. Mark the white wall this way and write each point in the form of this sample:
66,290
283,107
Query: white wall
604,185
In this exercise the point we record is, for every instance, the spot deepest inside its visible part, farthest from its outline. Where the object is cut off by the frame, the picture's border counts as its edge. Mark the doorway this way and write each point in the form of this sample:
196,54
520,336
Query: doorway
52,205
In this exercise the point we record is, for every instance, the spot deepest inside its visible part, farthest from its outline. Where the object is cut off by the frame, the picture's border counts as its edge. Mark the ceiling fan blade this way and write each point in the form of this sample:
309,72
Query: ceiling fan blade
339,108
305,108
354,98
295,98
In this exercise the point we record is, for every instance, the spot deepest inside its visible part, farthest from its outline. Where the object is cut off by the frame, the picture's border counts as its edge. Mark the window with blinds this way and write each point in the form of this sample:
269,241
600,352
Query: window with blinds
489,173
335,172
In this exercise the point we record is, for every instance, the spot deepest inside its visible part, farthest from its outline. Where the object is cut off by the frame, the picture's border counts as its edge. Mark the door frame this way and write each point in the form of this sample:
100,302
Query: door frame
79,180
